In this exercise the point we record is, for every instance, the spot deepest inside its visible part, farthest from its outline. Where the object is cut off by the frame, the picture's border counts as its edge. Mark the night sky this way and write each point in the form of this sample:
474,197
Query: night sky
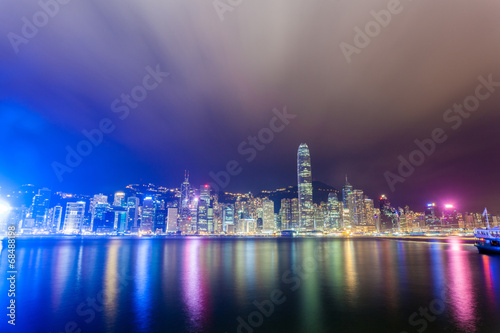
226,76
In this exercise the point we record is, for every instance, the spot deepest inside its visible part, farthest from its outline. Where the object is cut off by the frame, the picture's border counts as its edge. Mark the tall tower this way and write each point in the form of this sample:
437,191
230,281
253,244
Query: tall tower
268,215
185,199
348,201
305,189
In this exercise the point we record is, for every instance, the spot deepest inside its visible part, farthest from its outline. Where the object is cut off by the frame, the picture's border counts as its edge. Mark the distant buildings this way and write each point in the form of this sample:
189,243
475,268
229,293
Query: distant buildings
187,210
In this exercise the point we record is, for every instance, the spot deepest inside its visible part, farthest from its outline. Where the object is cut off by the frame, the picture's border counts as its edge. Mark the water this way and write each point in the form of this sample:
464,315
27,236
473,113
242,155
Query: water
207,285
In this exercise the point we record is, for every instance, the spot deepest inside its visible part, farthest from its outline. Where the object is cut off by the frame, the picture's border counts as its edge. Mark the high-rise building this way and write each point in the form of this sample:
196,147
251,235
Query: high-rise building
98,219
359,207
148,215
349,207
305,190
185,198
172,220
319,216
40,208
202,225
286,214
369,213
295,213
97,199
210,219
205,193
160,218
193,213
268,216
133,214
431,219
120,220
119,200
227,217
334,212
56,218
73,219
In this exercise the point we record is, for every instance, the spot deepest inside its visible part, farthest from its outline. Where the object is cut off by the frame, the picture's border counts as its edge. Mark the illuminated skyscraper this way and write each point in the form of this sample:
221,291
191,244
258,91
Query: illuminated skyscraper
56,218
97,199
334,212
227,218
133,214
119,200
185,198
40,208
295,213
348,201
73,219
359,207
205,194
319,216
369,212
305,190
148,214
172,220
268,216
286,214
202,225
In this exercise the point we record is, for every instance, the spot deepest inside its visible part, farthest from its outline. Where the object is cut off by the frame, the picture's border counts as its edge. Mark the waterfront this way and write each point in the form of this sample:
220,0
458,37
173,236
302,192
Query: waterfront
205,285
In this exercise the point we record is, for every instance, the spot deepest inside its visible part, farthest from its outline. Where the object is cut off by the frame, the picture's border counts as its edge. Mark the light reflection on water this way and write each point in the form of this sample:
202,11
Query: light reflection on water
204,285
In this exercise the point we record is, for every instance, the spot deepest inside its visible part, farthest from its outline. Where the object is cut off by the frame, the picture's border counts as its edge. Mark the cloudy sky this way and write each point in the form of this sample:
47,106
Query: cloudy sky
228,68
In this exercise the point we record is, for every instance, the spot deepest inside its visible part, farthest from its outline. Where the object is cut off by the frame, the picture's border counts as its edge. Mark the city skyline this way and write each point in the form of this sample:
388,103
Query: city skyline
205,209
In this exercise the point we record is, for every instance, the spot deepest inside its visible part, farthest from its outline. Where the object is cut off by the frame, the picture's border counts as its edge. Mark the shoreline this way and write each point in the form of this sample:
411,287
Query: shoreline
447,239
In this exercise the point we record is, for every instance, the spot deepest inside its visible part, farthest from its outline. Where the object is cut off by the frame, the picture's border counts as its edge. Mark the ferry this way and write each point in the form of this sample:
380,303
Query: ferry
488,240
289,233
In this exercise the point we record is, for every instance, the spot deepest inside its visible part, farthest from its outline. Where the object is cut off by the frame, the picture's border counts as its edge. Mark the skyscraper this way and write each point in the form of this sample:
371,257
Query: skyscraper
359,207
227,217
334,212
286,214
148,215
305,191
348,201
184,201
73,219
295,213
40,208
119,199
202,221
268,216
205,193
172,220
133,214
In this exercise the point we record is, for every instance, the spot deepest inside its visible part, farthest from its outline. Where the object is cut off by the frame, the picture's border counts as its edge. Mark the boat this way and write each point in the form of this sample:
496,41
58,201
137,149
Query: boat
488,240
289,233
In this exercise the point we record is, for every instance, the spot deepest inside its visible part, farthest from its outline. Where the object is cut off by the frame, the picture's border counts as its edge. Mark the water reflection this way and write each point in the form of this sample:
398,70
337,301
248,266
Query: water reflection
194,286
490,280
202,285
111,283
463,302
143,292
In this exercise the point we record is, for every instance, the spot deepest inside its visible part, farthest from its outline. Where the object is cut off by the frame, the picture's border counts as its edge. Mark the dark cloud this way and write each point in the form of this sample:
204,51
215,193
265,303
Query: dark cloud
226,77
